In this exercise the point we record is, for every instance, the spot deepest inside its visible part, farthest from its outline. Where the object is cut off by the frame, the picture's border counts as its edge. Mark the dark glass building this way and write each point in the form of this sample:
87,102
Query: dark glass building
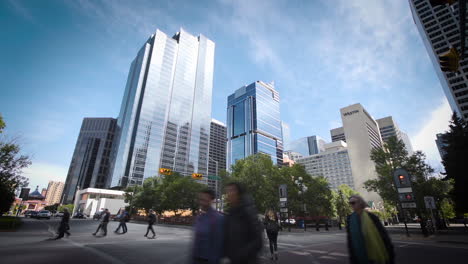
164,119
218,141
90,164
254,123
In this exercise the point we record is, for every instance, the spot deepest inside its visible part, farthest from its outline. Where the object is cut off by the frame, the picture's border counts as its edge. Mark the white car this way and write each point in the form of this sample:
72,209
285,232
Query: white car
44,214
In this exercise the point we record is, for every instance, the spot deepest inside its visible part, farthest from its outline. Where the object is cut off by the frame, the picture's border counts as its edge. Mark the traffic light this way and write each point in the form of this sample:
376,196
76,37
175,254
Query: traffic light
401,178
406,197
165,171
450,61
197,176
441,2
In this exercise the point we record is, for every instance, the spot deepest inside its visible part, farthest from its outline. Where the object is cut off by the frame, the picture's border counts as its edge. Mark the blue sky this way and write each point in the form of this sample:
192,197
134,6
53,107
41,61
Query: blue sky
61,61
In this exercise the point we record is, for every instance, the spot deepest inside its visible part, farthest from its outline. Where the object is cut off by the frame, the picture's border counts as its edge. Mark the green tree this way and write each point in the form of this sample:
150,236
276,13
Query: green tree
341,198
69,206
147,196
11,166
178,193
454,161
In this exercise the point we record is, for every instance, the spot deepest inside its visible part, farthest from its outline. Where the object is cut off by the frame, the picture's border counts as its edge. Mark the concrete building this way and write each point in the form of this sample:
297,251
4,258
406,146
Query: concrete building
362,134
441,144
165,115
254,123
333,163
439,30
44,192
389,128
54,192
92,200
307,146
90,164
293,155
218,141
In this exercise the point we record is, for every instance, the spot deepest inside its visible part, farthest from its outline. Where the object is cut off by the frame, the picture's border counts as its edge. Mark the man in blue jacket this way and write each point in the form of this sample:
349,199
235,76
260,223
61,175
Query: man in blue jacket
208,242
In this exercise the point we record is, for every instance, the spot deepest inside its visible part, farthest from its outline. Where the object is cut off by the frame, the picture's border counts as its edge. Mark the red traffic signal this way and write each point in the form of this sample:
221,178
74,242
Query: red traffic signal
406,197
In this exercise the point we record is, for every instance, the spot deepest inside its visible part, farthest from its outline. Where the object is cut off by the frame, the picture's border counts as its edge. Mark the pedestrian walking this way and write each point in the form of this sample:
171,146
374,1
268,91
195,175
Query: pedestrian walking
242,229
272,229
208,231
368,241
124,218
151,221
64,224
104,221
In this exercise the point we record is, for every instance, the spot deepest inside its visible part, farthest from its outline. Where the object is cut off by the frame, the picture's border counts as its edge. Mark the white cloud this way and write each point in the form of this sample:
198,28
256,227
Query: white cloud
40,173
435,122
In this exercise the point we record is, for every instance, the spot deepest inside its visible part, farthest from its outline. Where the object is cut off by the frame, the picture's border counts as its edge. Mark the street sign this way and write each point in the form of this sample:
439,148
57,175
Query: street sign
408,205
214,177
283,204
283,191
283,199
283,210
429,202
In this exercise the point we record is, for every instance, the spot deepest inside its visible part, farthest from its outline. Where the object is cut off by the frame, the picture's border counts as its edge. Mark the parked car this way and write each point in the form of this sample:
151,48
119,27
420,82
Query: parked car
58,214
44,214
33,214
27,213
79,215
292,221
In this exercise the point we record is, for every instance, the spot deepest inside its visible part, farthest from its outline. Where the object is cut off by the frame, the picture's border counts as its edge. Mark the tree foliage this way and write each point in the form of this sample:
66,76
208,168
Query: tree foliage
340,200
11,165
454,161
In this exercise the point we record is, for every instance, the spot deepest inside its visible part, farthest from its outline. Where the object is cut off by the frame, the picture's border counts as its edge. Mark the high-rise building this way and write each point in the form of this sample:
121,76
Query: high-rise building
254,123
164,119
332,163
44,192
441,144
286,134
307,145
54,192
389,128
361,133
439,30
90,164
218,141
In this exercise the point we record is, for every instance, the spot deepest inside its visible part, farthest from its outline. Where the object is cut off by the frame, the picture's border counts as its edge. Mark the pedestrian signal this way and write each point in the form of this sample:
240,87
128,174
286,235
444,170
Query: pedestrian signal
165,171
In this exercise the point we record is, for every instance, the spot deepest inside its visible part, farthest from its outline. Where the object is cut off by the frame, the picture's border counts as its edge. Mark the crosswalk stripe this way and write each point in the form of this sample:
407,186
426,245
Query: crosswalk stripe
286,244
338,254
300,253
327,257
317,251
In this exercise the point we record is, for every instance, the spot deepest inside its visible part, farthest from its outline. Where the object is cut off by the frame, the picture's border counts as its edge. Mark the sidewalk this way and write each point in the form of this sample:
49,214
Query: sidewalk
456,234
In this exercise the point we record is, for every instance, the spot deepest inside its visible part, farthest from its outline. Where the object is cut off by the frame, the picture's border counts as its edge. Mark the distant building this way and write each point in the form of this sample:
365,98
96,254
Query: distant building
389,128
407,141
54,192
287,161
333,163
286,134
307,146
90,164
35,201
92,200
44,192
218,141
362,134
254,123
293,155
441,144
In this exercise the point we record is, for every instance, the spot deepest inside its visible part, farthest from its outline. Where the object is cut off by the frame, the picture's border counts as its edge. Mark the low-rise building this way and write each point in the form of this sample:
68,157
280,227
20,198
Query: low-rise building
92,200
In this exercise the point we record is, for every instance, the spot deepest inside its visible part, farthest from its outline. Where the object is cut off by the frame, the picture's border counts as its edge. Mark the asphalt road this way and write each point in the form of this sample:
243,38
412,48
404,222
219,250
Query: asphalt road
32,244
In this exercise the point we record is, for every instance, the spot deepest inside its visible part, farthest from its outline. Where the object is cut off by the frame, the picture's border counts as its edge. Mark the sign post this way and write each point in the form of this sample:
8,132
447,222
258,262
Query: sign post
405,192
283,199
429,202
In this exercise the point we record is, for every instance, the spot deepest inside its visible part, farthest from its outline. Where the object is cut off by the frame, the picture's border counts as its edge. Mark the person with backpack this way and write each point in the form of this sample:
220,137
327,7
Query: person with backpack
151,221
208,229
104,221
124,217
272,229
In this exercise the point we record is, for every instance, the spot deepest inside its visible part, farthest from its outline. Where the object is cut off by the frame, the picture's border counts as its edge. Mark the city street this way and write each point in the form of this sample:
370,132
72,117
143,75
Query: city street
31,243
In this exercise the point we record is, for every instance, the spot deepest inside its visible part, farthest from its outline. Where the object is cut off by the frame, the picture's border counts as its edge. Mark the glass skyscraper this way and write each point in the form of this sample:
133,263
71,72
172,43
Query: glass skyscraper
254,124
307,146
164,120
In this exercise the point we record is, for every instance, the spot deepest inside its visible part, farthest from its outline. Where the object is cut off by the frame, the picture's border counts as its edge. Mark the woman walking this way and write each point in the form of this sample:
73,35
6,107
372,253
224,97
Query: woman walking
368,241
272,228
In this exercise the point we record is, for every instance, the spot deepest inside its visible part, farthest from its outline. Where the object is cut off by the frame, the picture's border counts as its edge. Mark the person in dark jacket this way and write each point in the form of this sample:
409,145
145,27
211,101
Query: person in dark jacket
242,229
124,217
151,221
208,231
64,224
104,221
368,241
272,229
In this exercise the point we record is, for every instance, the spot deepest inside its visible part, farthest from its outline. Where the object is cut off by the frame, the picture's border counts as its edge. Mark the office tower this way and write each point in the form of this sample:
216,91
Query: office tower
90,164
361,133
439,30
218,141
333,163
441,144
286,131
254,124
389,128
54,192
164,119
307,146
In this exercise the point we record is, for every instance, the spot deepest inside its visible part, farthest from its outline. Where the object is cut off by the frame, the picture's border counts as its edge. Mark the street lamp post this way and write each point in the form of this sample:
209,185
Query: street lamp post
216,180
302,190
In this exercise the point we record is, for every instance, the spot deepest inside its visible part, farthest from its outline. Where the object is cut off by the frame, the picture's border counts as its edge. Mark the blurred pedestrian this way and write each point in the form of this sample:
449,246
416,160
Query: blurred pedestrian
64,224
272,229
124,217
368,241
208,229
151,221
104,221
242,229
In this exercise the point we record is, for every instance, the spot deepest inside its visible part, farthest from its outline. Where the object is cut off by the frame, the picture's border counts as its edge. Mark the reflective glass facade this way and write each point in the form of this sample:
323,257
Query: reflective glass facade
307,146
164,120
253,123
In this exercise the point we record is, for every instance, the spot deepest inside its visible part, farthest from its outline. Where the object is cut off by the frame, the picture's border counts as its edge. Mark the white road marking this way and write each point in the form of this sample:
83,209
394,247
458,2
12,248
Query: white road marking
302,253
327,257
317,251
286,244
338,254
